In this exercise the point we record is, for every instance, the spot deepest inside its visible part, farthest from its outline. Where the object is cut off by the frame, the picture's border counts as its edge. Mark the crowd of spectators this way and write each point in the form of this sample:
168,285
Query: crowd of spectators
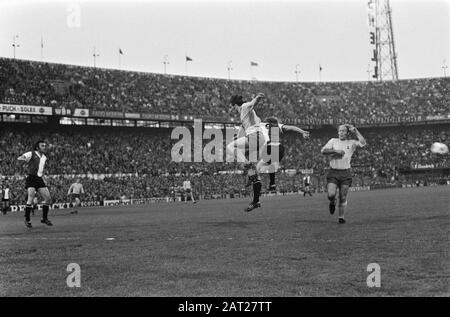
58,85
137,163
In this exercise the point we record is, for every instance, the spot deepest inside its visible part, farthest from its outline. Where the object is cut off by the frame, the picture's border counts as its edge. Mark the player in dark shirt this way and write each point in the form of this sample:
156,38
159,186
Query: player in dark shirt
35,163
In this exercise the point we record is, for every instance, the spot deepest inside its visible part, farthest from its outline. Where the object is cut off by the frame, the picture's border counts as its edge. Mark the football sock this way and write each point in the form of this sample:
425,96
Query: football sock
256,191
341,211
27,212
45,209
272,179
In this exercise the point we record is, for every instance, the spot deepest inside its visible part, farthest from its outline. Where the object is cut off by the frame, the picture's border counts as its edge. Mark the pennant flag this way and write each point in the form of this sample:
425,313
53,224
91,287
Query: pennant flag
253,64
320,68
188,59
120,52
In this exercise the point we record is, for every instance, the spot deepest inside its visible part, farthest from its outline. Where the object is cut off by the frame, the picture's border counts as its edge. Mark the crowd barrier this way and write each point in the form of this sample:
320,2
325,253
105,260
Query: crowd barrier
146,201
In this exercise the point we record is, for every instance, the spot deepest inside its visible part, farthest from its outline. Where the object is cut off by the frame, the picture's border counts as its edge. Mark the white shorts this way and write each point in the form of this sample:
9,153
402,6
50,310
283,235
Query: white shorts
252,129
264,168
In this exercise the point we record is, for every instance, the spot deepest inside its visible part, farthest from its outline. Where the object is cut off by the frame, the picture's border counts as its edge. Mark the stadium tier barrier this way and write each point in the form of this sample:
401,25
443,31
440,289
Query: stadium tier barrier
168,199
78,116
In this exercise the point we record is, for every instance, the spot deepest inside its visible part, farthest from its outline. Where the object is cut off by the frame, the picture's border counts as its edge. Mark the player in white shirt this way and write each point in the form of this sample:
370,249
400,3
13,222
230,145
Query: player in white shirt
249,139
250,126
5,195
75,190
339,176
187,188
307,183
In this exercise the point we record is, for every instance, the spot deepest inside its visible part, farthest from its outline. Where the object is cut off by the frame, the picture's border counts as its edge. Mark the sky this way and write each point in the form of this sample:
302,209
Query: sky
282,36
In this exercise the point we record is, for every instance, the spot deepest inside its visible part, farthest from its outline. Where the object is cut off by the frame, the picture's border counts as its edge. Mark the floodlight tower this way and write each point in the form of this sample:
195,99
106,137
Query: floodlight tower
384,55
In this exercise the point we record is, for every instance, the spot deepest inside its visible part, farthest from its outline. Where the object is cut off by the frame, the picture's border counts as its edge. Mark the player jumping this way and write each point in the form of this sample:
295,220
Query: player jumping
250,125
271,154
249,137
35,162
339,176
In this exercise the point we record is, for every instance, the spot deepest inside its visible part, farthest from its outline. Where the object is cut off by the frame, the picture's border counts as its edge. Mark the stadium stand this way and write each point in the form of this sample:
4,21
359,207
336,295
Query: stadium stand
117,162
37,83
136,163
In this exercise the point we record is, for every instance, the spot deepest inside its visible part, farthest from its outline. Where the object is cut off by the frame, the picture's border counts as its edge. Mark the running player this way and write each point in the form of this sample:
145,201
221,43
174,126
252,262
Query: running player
75,190
187,188
270,154
339,176
35,163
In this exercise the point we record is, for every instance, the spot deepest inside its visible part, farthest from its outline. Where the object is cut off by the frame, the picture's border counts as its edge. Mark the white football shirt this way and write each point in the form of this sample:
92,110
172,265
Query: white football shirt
249,119
348,146
76,188
187,185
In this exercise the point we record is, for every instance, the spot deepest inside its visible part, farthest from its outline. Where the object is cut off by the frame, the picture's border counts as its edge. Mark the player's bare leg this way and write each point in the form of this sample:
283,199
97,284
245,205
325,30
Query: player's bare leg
31,193
236,149
342,202
45,194
332,189
76,206
271,169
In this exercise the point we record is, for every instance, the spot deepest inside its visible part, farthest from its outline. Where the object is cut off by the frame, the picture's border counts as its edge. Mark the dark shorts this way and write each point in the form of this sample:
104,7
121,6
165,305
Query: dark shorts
257,141
339,177
271,150
75,196
34,182
187,190
262,148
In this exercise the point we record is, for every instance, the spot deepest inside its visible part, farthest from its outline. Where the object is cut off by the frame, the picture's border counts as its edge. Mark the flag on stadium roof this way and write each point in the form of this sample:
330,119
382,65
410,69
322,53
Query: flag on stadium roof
120,51
188,59
320,68
253,64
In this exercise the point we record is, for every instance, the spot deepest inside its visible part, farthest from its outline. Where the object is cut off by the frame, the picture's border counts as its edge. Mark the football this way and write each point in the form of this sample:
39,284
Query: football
439,148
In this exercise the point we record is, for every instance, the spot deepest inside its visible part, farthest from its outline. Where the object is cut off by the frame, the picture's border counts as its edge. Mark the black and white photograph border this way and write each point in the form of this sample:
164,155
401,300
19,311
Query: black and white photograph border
224,154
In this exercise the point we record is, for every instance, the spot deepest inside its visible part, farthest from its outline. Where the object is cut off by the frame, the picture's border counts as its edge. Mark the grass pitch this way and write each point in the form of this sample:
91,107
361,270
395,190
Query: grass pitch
289,247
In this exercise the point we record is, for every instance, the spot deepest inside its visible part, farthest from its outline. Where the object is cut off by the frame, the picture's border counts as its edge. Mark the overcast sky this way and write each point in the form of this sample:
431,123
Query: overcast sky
278,35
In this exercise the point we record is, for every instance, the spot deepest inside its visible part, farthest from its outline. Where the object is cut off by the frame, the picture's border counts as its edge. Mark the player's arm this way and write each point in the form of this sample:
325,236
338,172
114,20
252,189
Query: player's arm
295,129
255,101
24,157
361,139
241,132
328,150
82,190
70,190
